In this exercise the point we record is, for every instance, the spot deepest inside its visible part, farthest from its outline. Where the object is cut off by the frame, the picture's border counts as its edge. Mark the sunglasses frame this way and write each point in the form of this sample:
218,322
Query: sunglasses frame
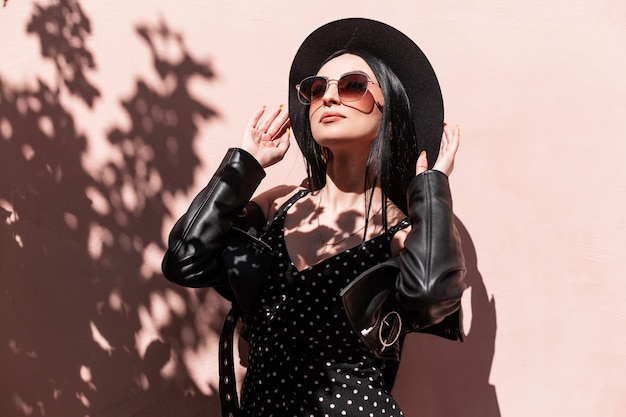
303,99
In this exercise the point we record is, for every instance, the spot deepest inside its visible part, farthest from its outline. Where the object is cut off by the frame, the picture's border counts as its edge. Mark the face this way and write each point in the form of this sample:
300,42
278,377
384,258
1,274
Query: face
334,122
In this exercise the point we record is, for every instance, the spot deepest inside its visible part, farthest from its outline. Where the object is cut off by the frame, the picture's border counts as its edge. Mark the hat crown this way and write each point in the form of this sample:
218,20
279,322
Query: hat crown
396,50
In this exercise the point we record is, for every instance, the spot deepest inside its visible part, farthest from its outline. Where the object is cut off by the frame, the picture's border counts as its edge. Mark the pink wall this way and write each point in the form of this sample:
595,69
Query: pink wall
107,132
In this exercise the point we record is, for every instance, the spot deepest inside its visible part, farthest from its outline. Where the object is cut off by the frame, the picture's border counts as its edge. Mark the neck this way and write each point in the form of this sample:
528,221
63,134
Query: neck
345,183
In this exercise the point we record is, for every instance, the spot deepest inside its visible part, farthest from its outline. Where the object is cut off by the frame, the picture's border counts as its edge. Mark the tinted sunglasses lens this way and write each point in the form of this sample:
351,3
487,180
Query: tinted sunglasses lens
312,89
317,88
352,87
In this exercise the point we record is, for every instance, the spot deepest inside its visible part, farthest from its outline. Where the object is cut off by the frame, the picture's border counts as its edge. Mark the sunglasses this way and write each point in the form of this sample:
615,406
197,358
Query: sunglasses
351,87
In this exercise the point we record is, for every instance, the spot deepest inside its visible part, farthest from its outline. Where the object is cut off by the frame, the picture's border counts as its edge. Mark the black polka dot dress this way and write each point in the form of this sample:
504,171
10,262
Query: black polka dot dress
304,358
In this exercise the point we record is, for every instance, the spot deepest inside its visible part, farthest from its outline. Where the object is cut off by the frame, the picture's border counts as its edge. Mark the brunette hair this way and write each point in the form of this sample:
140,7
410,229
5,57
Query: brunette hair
393,153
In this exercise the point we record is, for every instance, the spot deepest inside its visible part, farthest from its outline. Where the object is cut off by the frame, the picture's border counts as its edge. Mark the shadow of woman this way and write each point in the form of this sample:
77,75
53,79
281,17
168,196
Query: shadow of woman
442,378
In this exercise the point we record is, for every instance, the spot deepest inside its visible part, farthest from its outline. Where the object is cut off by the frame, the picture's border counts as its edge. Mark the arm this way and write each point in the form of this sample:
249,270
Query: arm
419,290
197,240
195,244
430,283
432,267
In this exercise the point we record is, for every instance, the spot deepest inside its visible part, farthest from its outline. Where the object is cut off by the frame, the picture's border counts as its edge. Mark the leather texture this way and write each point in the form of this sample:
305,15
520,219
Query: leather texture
420,290
199,237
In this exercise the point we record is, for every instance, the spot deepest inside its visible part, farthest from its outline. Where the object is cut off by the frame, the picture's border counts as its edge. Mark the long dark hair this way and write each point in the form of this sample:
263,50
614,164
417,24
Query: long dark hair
393,153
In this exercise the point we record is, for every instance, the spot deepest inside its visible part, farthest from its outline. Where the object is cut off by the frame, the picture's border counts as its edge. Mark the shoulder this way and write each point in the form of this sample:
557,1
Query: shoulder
270,200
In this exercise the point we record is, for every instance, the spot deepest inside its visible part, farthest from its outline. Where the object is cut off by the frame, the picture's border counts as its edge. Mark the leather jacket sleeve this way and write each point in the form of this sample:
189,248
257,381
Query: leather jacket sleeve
432,267
419,290
199,237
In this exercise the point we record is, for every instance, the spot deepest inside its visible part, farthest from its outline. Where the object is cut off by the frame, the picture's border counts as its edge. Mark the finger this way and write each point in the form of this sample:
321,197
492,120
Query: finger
284,128
422,163
444,140
453,143
255,119
456,138
283,142
267,122
278,123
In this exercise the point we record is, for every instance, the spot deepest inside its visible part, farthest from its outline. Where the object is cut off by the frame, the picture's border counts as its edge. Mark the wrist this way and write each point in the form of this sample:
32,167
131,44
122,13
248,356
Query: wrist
250,153
248,160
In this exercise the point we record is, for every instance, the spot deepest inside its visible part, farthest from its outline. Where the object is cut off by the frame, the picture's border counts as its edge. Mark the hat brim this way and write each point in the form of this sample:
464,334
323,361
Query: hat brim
398,51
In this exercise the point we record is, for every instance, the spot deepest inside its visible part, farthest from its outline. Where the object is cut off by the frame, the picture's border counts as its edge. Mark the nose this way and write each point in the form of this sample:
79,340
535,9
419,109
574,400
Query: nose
331,95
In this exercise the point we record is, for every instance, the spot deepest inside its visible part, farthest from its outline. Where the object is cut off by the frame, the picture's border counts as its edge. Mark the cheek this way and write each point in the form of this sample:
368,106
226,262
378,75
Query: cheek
365,104
313,109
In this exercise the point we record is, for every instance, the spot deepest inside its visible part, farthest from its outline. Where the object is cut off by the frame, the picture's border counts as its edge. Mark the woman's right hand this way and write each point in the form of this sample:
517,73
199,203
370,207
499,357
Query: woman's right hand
267,136
447,153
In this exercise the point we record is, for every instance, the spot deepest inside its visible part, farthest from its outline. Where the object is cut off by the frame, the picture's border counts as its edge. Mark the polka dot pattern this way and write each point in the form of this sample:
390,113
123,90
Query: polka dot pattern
304,357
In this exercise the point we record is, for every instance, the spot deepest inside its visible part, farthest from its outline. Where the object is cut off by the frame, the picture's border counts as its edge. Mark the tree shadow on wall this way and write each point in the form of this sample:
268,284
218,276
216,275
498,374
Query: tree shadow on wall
438,377
88,326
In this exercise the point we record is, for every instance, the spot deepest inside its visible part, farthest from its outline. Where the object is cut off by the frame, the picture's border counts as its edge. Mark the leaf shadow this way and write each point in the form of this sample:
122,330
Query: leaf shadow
88,325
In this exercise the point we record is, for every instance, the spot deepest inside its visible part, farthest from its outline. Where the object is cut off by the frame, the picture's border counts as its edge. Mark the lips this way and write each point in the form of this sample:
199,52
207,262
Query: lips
329,117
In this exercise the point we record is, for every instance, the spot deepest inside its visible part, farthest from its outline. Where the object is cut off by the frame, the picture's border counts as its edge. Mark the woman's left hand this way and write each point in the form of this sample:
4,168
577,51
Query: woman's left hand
447,153
267,136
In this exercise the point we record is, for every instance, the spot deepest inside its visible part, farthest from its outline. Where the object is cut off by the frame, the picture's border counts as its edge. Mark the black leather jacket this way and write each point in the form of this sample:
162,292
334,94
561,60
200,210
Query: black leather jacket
213,245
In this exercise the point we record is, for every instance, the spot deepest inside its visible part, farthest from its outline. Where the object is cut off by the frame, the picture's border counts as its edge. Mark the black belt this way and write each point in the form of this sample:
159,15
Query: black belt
228,384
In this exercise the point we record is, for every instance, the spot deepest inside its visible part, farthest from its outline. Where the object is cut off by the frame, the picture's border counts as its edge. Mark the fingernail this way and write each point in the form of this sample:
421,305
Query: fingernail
264,106
458,128
288,132
445,124
281,106
423,153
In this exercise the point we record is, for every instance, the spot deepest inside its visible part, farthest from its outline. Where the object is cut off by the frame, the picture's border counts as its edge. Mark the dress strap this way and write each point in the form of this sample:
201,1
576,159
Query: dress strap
297,196
402,224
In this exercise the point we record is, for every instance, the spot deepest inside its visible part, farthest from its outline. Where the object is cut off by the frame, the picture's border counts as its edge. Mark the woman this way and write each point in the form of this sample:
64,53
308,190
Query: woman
344,267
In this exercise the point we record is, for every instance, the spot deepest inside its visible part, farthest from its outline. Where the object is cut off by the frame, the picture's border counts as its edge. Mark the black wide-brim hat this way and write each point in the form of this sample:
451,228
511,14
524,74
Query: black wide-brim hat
397,50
